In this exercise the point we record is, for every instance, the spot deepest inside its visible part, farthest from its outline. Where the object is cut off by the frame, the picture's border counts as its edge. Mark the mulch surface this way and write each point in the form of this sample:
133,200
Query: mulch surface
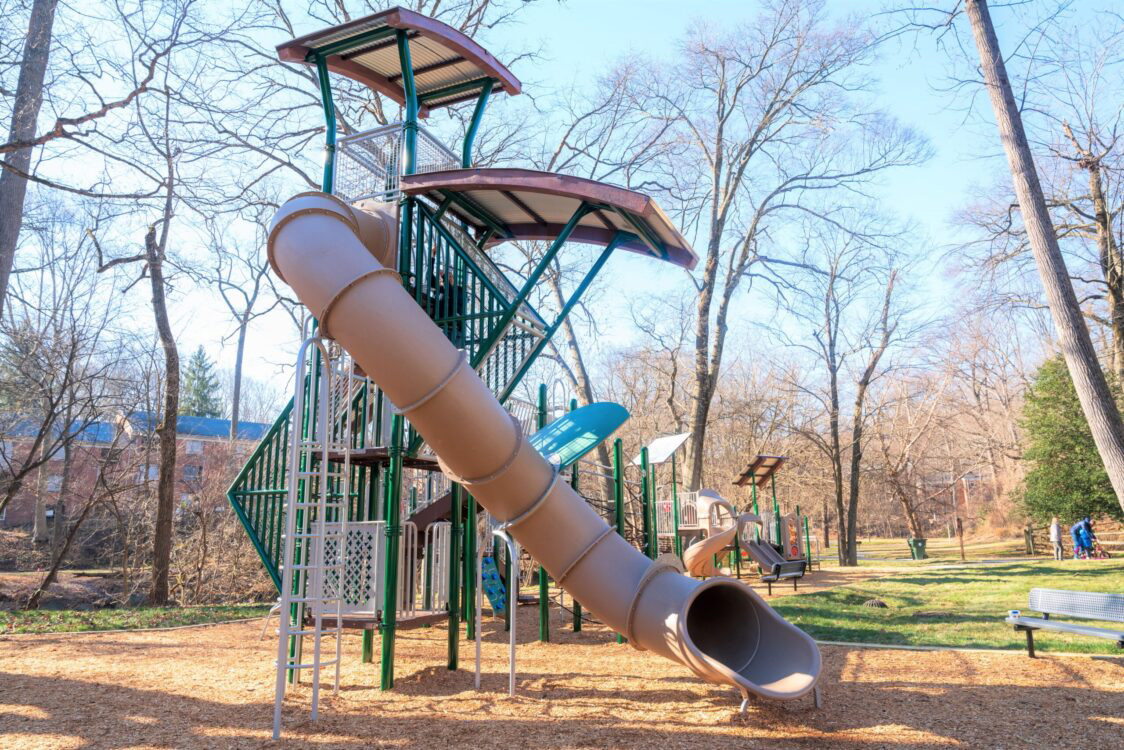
212,687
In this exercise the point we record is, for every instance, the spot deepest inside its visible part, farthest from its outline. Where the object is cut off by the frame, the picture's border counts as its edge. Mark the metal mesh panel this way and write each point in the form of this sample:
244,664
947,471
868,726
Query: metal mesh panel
369,164
1090,605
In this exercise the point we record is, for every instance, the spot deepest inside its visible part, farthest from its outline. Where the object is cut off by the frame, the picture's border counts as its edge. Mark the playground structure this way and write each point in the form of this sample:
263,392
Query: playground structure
364,499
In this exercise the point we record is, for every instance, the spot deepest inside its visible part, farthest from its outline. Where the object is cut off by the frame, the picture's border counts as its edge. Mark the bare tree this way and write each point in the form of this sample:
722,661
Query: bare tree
773,121
846,298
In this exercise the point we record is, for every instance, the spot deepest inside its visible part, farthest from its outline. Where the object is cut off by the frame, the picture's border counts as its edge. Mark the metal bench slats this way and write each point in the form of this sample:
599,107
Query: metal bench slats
1040,623
1086,604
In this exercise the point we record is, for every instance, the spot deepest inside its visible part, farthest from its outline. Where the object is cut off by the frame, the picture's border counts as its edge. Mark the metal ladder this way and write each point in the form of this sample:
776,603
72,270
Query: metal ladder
316,520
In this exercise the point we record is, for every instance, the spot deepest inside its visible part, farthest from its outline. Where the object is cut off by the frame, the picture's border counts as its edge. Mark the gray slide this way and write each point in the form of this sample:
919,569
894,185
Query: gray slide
339,262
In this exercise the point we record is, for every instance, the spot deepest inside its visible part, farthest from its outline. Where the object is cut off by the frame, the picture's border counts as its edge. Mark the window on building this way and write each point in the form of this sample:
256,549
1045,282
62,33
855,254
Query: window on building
153,473
193,447
54,483
7,449
192,473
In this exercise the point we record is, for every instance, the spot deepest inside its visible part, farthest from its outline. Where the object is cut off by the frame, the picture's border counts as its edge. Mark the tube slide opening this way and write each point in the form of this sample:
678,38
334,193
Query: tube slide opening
724,624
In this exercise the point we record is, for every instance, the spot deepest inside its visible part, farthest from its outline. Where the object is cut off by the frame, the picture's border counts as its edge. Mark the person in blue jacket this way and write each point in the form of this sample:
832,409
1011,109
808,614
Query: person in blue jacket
1082,533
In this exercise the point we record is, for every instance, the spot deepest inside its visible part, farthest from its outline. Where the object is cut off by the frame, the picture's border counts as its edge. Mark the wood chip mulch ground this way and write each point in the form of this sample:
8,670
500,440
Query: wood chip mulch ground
212,687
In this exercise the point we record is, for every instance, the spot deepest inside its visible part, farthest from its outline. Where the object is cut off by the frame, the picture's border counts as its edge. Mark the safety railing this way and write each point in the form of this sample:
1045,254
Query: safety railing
368,165
450,282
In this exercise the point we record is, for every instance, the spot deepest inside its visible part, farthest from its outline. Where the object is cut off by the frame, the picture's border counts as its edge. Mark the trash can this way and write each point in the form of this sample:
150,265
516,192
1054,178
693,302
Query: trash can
917,548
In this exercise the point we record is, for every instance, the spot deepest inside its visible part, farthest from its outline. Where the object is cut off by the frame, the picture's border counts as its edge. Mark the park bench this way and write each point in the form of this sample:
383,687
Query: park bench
789,569
1085,604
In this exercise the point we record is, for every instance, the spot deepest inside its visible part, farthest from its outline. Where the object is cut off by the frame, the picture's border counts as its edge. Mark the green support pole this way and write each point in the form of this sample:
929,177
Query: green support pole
756,526
544,583
618,495
372,500
392,512
807,543
474,125
501,324
508,568
410,124
471,580
646,502
675,509
574,484
454,573
776,509
328,184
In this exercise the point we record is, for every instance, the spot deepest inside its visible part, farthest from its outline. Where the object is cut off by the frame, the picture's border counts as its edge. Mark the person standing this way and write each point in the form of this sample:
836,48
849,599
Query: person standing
1056,538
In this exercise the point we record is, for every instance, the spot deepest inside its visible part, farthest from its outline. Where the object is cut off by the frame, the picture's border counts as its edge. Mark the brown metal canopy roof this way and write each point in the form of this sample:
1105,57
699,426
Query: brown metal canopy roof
759,470
527,205
448,66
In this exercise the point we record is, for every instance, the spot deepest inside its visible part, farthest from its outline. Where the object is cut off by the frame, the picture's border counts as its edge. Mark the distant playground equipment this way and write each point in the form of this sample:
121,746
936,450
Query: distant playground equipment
364,499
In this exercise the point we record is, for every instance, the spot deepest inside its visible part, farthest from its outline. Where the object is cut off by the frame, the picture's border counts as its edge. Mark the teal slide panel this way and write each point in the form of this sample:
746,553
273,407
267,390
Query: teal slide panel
568,438
493,585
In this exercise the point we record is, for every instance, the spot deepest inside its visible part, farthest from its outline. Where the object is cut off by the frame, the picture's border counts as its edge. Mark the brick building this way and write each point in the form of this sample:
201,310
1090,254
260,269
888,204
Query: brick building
203,455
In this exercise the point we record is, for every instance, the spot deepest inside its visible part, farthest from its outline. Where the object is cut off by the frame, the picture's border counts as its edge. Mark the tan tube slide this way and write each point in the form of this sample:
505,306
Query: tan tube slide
699,557
330,255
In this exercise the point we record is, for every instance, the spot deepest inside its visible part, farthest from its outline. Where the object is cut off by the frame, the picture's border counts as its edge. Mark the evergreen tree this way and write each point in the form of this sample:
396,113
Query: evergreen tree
1067,477
199,391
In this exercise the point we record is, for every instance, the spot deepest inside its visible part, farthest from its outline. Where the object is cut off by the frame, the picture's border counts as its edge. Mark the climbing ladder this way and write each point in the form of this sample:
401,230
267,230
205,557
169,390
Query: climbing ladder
314,540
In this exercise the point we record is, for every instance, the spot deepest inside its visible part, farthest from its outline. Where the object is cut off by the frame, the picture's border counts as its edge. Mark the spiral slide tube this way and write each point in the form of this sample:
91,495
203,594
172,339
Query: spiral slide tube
333,257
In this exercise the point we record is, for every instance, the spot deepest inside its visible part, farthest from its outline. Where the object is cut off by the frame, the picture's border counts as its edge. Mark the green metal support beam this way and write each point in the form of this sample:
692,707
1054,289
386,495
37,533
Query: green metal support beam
454,575
544,582
618,495
410,125
574,480
328,184
474,125
392,513
565,311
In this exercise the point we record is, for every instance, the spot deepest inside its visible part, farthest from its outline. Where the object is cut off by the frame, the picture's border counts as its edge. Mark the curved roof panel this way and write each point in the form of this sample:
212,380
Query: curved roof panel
448,66
522,204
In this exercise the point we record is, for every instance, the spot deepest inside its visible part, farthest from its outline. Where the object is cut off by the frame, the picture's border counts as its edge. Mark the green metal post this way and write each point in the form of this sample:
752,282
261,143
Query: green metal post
574,484
776,508
501,324
646,503
474,125
372,500
562,314
618,495
756,526
471,580
807,543
508,570
675,508
410,125
391,512
544,583
329,124
454,574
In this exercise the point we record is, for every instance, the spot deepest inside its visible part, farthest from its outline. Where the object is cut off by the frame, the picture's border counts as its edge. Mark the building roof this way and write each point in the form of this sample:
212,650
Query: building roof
202,427
448,66
523,204
102,431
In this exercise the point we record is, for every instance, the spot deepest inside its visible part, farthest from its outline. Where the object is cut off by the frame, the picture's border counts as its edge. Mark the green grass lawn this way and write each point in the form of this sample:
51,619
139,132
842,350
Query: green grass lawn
877,551
962,606
124,618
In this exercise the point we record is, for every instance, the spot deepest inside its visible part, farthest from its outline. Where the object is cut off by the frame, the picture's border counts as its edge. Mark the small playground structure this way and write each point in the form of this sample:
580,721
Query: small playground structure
404,457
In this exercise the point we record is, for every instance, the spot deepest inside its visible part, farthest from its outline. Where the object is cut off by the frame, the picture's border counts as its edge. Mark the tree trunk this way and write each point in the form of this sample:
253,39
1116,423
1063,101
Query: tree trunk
25,115
584,385
39,532
165,487
1073,336
236,397
703,381
1112,266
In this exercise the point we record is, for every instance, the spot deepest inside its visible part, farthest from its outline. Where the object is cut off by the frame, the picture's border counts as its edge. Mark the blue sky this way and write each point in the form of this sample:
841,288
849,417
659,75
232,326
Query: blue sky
581,38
